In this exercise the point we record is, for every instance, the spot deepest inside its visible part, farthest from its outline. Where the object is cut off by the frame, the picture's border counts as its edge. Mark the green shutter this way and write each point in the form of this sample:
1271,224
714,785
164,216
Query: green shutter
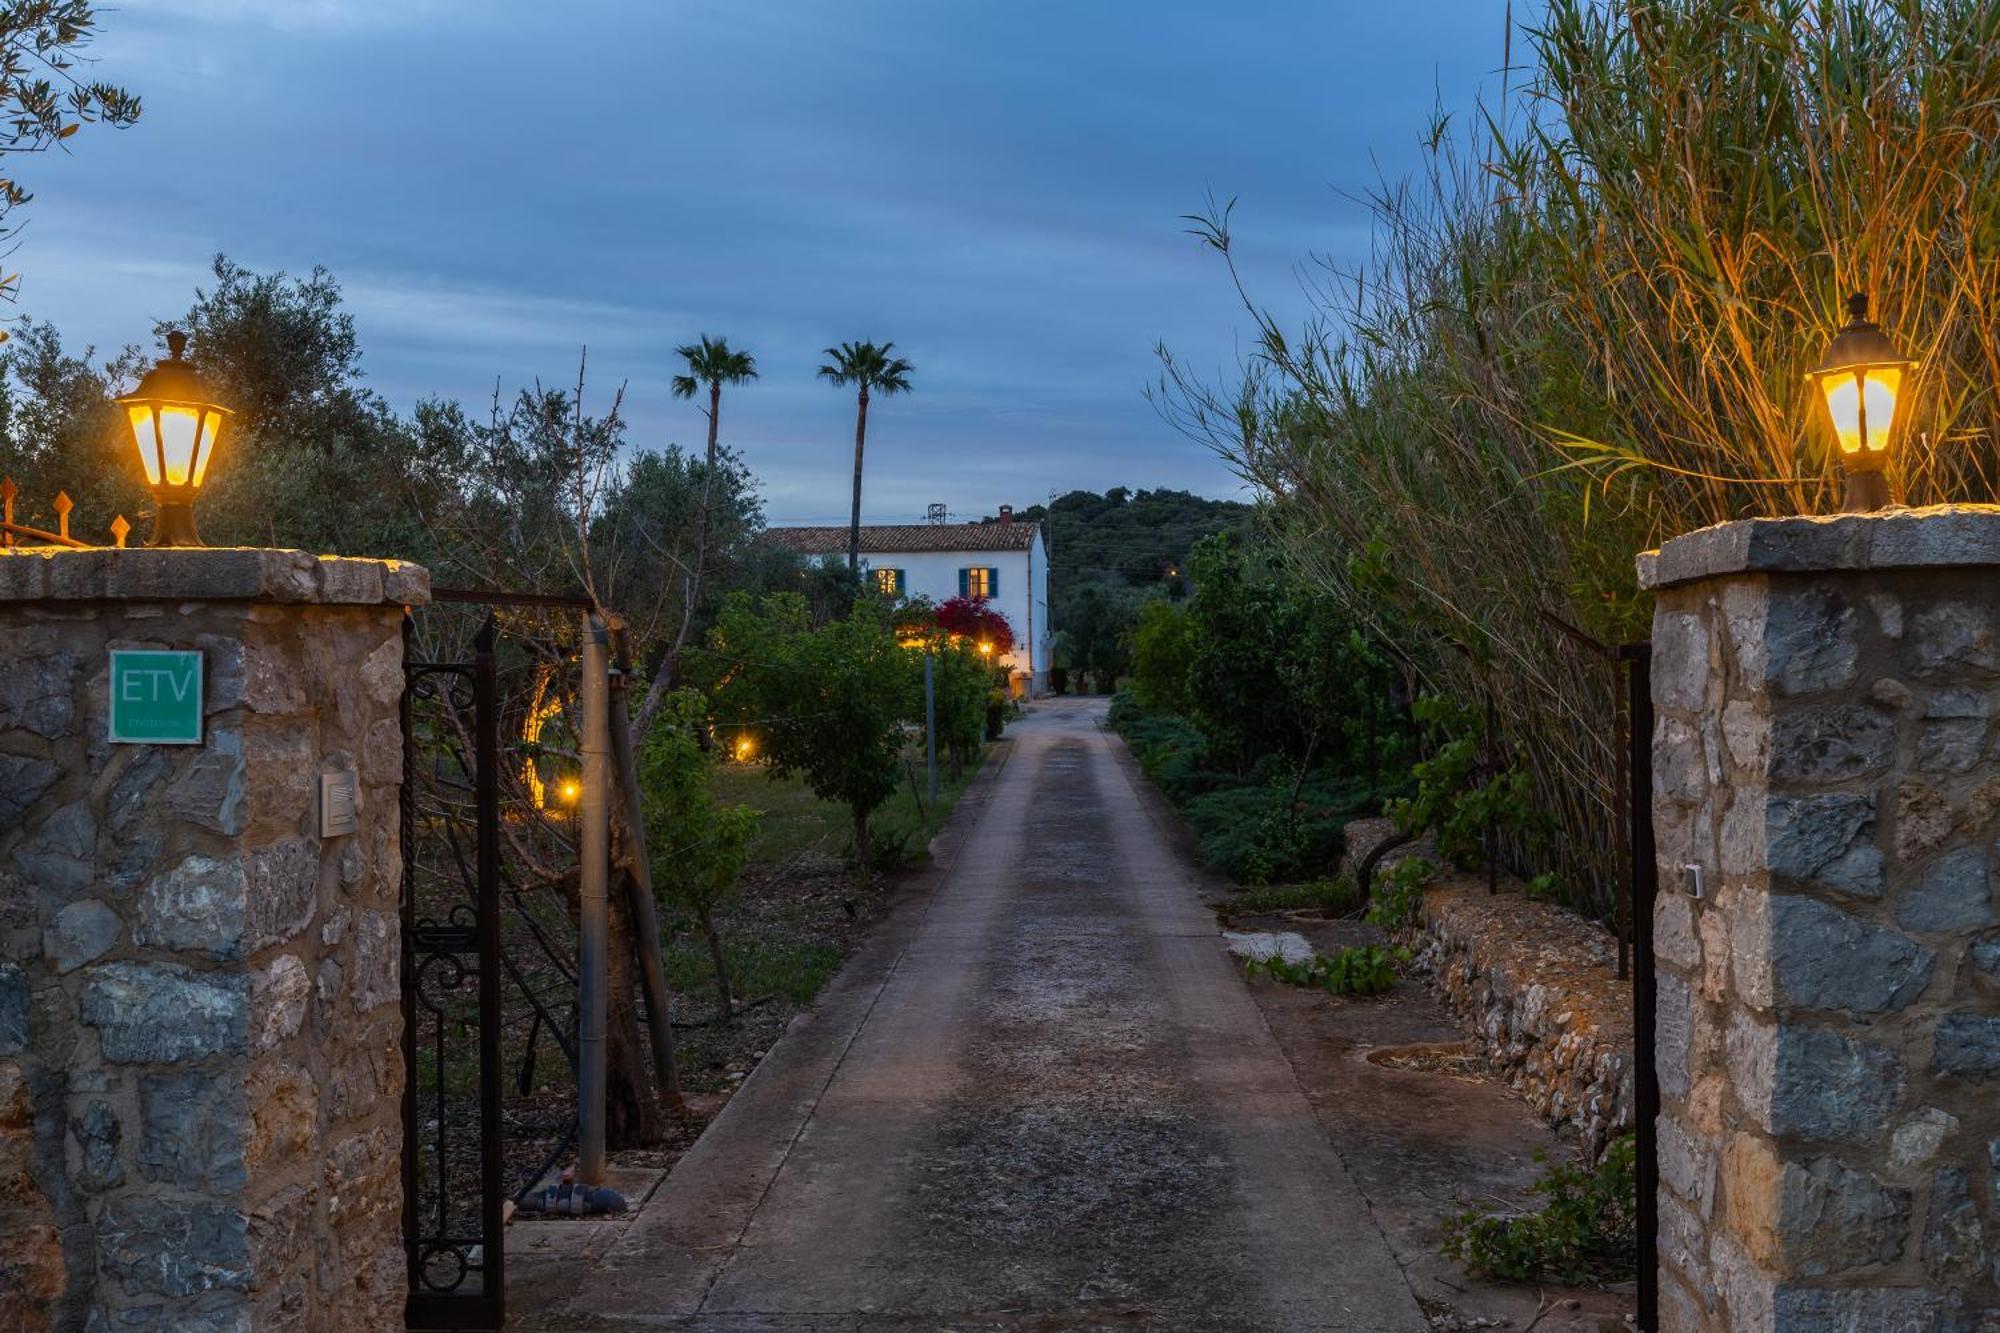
993,582
964,582
902,582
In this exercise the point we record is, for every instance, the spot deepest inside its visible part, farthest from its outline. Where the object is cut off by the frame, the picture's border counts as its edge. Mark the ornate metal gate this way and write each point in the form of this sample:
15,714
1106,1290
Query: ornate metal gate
453,1186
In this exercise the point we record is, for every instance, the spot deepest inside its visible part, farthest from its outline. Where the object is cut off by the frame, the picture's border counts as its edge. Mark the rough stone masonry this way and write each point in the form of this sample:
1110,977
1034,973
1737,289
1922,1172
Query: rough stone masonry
200,1069
1829,1009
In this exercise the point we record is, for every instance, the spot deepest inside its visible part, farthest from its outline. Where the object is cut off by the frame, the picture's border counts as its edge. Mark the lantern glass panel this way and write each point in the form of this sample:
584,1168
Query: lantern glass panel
180,432
141,415
1873,387
211,433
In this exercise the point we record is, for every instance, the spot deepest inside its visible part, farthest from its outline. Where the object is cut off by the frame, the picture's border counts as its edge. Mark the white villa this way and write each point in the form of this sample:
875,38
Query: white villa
1005,562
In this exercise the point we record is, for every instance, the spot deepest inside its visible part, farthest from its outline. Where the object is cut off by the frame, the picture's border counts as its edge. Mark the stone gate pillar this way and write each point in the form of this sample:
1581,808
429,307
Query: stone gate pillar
1829,1005
200,1070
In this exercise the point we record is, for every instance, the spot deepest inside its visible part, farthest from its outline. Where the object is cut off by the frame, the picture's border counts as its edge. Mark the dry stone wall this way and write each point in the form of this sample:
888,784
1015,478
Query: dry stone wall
1829,1008
200,1069
1537,986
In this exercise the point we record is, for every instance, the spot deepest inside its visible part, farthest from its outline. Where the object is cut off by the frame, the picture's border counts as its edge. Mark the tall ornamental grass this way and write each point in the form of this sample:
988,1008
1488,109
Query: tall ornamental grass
1586,328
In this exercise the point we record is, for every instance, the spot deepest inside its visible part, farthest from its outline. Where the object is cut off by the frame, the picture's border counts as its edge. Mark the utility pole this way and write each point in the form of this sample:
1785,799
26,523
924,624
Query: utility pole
593,903
930,724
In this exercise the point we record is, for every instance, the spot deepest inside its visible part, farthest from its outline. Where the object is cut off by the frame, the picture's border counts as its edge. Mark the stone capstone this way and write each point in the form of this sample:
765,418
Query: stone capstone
163,1012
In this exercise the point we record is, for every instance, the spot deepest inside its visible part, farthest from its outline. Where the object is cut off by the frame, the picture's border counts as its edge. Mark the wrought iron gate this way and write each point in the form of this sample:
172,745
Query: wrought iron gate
453,1187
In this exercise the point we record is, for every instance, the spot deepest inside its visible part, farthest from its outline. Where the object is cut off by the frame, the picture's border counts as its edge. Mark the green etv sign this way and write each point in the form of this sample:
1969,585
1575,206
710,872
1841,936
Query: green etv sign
155,697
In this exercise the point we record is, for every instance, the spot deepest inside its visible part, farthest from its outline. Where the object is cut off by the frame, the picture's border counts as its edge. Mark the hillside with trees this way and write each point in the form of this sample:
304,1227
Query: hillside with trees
1109,554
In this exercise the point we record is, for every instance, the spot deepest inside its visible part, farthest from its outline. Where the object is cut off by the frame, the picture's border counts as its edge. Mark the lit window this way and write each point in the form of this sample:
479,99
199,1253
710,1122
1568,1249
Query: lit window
979,581
889,582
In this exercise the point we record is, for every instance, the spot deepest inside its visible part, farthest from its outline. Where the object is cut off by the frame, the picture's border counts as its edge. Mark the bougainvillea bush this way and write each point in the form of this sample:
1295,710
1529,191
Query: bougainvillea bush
975,619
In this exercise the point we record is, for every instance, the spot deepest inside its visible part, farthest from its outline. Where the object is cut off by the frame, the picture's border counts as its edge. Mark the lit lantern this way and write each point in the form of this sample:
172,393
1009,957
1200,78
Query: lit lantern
1862,377
571,791
175,425
746,749
986,648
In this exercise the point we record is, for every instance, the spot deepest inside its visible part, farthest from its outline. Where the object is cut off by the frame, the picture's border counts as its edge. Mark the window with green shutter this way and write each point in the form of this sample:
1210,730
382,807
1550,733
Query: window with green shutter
890,582
979,581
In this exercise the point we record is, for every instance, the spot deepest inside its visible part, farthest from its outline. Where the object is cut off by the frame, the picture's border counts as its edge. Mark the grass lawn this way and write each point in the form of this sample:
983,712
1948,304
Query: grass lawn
796,915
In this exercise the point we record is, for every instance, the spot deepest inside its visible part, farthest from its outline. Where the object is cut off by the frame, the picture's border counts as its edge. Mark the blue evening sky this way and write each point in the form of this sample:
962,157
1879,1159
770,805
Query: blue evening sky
996,187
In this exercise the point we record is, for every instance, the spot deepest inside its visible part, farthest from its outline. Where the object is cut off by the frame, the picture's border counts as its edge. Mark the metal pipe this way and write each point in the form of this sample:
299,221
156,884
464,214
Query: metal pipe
645,914
594,904
930,725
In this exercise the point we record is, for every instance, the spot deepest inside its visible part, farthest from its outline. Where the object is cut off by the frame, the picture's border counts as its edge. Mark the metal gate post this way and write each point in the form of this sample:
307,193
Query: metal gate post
1638,658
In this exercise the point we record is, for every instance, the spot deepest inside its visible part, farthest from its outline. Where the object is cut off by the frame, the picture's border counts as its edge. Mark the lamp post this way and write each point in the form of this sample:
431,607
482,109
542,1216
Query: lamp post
175,423
1861,378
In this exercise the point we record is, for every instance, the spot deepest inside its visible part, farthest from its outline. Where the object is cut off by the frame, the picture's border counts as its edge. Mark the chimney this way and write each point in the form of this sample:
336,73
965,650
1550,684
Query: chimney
1006,513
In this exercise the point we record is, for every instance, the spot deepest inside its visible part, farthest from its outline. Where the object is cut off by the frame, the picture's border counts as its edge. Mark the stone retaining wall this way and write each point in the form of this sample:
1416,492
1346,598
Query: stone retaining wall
1535,984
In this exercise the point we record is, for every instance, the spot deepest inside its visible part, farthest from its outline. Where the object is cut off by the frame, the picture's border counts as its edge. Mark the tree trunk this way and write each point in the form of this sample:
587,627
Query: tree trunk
861,847
854,524
725,1003
670,664
632,1115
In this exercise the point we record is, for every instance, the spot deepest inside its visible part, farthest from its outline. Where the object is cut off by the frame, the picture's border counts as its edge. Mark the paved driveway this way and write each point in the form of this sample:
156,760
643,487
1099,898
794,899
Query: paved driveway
1041,1098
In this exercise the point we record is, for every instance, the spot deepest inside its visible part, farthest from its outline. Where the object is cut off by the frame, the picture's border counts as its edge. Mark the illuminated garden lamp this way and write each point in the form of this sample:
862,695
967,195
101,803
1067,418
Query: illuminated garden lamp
175,424
571,791
745,747
1862,376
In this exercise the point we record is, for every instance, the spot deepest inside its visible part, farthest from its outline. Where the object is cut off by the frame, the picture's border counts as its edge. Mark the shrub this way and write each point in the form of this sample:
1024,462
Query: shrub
1164,645
1330,895
1251,834
1586,1232
1393,905
1363,969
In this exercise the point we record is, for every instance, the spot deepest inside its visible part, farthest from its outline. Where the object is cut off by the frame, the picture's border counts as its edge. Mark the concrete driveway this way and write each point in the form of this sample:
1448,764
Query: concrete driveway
1041,1098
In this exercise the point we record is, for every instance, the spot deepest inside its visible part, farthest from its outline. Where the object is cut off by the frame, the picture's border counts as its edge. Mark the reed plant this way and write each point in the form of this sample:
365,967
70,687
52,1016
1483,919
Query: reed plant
1586,326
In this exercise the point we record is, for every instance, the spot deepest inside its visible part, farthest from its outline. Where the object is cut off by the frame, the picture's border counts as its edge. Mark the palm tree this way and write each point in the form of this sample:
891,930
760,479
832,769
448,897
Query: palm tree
712,362
873,370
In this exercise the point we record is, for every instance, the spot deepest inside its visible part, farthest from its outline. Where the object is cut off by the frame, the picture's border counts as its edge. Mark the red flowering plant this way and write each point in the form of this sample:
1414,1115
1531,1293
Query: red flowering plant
974,619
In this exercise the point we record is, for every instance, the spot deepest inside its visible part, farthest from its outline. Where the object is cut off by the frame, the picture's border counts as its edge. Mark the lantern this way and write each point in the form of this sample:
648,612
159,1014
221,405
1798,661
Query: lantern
1864,377
175,425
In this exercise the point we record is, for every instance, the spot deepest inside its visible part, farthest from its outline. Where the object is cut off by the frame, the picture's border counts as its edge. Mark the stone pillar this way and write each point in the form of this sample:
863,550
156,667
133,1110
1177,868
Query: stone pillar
200,1068
1829,1008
